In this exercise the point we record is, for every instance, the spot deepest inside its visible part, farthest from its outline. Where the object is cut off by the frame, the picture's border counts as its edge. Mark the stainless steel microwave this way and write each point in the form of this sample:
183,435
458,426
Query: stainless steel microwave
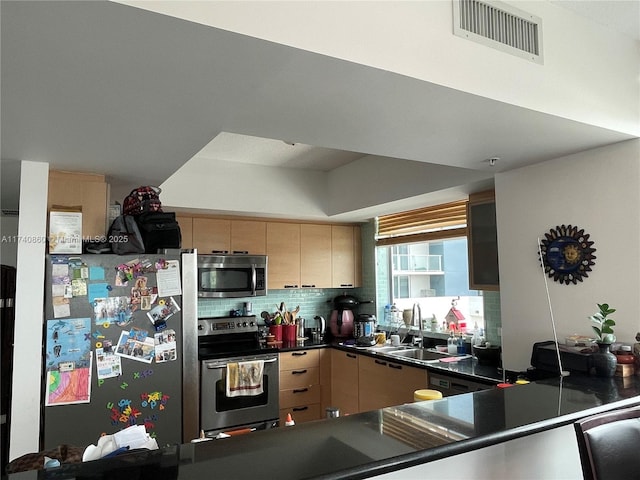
223,276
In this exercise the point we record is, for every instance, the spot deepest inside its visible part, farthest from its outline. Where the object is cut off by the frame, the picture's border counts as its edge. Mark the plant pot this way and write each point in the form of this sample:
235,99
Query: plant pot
604,362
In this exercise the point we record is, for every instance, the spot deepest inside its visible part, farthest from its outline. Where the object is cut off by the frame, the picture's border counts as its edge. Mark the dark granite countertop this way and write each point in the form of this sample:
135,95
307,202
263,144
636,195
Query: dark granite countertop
380,441
467,367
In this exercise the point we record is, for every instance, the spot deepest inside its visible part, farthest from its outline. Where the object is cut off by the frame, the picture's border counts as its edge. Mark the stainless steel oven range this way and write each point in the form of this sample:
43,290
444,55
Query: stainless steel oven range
226,346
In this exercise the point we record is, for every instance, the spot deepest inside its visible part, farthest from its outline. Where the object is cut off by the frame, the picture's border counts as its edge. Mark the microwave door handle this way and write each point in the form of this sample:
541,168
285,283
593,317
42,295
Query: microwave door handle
254,280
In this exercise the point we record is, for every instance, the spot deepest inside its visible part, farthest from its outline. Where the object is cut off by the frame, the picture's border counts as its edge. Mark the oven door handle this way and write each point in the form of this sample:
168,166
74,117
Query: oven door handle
217,365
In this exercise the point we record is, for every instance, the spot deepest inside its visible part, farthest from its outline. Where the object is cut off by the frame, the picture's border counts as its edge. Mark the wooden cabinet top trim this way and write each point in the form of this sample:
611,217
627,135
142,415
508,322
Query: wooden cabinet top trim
76,176
184,213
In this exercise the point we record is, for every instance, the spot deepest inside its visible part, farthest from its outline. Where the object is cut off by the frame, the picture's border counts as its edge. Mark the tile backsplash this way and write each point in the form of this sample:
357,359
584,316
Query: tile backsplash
312,302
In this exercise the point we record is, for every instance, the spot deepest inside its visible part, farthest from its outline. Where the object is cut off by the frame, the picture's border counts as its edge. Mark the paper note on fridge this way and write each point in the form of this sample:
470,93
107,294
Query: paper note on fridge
168,279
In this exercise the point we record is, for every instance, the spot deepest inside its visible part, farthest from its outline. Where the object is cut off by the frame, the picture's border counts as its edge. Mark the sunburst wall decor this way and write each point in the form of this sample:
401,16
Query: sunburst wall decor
567,254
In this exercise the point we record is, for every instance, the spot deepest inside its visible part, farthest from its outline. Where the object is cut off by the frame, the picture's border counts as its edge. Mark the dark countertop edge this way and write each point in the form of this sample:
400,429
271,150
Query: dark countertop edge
380,467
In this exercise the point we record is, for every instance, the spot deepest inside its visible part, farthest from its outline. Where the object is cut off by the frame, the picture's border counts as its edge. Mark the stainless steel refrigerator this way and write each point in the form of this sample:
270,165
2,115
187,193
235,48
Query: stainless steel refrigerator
119,347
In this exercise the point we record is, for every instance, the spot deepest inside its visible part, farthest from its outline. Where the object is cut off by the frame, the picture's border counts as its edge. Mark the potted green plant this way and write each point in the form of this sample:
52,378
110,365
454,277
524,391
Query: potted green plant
604,362
602,324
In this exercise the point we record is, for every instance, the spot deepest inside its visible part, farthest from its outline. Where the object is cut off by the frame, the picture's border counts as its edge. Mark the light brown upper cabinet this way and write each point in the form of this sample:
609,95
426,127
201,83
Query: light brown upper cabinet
283,251
249,236
482,241
186,230
315,256
345,256
70,189
211,235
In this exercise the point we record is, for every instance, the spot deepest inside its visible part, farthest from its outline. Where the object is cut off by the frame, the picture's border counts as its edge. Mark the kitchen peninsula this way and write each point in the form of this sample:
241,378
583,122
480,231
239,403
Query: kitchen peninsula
386,440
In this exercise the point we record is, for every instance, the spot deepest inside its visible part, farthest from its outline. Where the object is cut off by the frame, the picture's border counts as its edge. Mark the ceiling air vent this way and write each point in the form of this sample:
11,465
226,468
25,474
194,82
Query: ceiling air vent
500,26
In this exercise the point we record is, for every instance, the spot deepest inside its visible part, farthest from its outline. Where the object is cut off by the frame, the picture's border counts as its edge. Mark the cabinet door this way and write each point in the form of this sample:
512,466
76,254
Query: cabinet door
324,360
315,256
482,242
211,235
357,255
70,189
405,380
301,413
249,236
344,381
186,230
383,383
373,383
299,359
283,250
299,378
342,256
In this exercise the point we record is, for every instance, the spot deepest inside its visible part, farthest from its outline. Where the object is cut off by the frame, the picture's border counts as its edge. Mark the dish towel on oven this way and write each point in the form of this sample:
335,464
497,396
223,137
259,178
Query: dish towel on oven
245,378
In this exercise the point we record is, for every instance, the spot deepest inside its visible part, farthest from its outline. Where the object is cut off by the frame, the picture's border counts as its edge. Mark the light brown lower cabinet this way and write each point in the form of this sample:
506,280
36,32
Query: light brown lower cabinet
300,389
344,381
383,383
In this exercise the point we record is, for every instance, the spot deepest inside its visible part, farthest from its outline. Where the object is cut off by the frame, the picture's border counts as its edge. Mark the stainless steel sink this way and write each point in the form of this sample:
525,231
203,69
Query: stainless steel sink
420,354
391,348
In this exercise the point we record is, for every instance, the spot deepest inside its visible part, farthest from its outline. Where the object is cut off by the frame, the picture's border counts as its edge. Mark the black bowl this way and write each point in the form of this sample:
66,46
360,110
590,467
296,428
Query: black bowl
487,355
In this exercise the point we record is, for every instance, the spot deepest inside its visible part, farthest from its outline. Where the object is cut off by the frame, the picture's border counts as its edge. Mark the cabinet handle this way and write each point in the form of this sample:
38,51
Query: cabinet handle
241,252
300,390
380,362
291,286
351,355
299,409
224,252
308,286
298,354
397,367
346,284
298,372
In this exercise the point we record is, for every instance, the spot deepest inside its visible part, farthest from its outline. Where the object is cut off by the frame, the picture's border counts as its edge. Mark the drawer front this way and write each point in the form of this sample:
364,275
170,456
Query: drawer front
299,377
301,413
299,359
299,396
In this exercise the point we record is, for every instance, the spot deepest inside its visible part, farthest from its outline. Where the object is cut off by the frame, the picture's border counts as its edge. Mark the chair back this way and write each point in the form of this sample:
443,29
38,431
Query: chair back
608,444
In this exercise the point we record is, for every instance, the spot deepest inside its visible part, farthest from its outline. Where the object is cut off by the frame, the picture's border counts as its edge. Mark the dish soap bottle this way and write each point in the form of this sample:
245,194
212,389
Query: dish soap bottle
452,344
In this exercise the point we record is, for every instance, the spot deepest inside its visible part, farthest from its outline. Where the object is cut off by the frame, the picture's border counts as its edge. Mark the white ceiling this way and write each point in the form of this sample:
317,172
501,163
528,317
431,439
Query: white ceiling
103,87
234,147
620,15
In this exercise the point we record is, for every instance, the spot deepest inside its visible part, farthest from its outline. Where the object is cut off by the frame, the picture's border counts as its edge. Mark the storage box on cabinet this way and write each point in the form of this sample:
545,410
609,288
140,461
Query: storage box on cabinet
300,389
88,190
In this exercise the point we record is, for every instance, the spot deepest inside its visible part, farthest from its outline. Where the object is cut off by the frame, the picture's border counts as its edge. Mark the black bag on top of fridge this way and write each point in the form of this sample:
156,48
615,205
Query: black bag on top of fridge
159,230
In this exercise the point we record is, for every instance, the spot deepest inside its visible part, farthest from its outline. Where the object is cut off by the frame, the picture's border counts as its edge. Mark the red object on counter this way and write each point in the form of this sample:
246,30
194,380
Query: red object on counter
624,359
276,331
289,333
504,385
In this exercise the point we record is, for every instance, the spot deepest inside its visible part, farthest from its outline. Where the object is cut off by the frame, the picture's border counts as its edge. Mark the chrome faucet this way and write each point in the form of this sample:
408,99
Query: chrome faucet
417,322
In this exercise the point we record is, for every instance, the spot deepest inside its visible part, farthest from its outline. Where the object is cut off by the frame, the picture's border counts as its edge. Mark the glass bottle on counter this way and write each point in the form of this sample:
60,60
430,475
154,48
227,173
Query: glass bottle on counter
452,344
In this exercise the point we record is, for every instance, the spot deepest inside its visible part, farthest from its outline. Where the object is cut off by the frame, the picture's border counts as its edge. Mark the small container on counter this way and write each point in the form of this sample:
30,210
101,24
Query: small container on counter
332,412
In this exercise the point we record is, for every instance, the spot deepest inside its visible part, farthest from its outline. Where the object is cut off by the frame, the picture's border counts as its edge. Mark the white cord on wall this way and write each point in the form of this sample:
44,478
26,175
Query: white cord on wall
563,373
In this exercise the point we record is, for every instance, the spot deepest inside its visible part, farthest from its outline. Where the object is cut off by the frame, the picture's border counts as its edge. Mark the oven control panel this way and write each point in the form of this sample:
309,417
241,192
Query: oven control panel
226,325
